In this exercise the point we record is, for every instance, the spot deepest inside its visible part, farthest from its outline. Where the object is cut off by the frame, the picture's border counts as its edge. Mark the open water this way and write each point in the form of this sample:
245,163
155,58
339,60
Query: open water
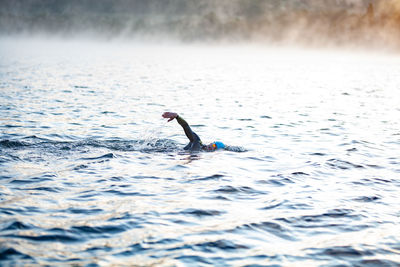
90,174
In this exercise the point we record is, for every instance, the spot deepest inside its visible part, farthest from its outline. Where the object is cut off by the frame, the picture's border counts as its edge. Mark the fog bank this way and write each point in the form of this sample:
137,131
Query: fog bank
366,23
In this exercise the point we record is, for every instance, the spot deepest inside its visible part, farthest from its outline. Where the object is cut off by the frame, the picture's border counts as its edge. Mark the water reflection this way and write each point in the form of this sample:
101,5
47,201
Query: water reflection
92,172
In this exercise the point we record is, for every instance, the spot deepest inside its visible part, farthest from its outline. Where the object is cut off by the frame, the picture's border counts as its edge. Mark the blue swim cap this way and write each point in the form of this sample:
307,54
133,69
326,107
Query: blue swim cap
219,145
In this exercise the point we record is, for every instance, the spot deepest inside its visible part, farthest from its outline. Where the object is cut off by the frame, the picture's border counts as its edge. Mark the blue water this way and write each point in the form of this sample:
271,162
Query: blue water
90,174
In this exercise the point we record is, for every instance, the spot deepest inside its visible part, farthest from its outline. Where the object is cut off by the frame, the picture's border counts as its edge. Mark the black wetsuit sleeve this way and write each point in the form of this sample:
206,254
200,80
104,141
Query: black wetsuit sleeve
194,139
189,133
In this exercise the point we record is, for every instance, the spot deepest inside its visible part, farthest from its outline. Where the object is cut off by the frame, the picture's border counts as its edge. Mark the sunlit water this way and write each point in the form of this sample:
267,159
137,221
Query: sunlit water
91,173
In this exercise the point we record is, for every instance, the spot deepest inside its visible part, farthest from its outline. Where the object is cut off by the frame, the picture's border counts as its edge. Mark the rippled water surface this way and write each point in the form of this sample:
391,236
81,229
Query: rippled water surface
91,174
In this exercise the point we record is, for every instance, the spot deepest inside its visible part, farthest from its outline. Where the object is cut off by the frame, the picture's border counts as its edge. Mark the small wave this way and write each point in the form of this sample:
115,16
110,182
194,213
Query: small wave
274,228
82,211
120,193
12,144
265,117
367,198
133,250
201,212
212,177
62,238
12,126
342,251
19,211
237,190
377,262
194,260
300,174
221,244
272,204
30,141
98,230
3,160
105,156
318,154
269,227
342,164
278,180
34,179
374,166
80,167
334,218
8,254
16,225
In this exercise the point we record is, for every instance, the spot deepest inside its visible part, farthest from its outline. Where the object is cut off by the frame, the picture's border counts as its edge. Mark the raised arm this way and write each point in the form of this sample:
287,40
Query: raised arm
193,137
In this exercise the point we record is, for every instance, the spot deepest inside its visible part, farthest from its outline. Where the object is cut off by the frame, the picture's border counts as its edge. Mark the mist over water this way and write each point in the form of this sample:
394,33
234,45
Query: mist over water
90,174
343,23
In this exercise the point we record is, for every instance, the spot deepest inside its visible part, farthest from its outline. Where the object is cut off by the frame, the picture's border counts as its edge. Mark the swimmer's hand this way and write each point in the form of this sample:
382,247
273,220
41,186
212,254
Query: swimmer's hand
170,115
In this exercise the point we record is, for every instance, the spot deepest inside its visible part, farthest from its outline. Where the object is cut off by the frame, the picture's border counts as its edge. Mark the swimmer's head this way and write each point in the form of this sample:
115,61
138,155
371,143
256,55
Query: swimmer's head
214,146
219,145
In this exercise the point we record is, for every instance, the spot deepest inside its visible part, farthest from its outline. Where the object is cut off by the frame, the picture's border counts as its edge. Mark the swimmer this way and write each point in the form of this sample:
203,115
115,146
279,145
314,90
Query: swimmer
195,143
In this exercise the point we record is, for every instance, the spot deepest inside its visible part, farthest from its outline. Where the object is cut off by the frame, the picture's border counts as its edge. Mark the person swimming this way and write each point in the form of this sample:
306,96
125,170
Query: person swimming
195,143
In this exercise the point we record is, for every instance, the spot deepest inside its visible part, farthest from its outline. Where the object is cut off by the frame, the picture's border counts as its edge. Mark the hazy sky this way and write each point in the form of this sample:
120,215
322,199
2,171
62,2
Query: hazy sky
315,22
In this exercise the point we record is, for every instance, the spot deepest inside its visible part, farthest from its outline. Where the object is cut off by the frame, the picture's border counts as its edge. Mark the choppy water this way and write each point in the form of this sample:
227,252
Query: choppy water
92,175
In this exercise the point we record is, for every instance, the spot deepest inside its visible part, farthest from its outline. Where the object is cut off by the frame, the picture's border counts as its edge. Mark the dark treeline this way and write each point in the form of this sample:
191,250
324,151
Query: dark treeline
315,22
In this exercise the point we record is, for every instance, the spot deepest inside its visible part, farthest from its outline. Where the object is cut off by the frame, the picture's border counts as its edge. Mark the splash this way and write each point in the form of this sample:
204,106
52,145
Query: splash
48,146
